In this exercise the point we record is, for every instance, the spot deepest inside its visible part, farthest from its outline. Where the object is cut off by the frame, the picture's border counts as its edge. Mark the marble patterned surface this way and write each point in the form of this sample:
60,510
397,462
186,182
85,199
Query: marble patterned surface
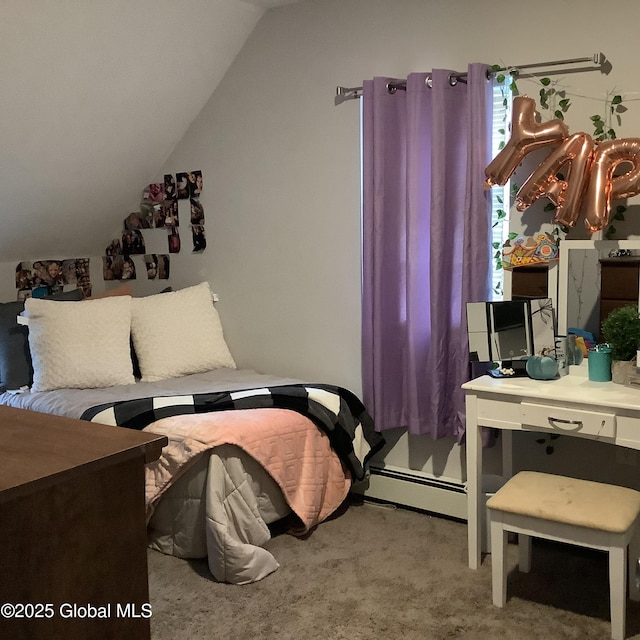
583,291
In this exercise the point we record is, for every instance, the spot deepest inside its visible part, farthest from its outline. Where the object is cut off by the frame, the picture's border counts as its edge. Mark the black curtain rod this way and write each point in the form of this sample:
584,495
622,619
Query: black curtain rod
350,93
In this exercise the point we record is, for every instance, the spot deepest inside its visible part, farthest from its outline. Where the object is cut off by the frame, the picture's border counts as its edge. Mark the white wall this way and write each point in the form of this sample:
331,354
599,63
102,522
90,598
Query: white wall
95,95
281,167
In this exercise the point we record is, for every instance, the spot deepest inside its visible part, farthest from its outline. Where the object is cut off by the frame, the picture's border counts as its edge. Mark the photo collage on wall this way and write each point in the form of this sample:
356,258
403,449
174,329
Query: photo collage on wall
44,278
189,188
162,206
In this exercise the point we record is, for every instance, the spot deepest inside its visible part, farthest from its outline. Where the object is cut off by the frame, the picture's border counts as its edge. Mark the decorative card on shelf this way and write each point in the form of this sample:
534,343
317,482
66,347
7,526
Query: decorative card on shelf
523,251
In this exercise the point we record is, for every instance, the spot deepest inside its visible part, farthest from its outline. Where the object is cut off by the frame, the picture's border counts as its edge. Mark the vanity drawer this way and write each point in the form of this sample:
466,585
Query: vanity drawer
596,424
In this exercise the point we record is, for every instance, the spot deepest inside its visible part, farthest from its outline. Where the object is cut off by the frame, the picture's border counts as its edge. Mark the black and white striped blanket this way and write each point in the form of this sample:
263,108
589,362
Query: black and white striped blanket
334,410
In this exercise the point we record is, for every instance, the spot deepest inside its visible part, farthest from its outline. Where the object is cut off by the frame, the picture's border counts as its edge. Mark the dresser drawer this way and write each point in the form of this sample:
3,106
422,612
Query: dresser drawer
596,424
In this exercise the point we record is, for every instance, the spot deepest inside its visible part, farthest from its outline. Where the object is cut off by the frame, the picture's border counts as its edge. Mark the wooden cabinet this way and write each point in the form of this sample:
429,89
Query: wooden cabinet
619,281
73,528
530,282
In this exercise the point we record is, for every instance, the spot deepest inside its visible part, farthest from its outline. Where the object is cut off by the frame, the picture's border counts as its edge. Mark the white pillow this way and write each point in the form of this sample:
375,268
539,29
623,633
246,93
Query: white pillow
80,345
178,333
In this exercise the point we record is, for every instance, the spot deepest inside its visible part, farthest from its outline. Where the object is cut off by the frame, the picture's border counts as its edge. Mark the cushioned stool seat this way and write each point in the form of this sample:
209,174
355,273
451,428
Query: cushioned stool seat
580,512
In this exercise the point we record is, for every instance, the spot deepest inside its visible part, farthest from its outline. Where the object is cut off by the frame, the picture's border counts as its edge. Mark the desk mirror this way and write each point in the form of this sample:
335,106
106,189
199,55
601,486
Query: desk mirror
509,330
579,300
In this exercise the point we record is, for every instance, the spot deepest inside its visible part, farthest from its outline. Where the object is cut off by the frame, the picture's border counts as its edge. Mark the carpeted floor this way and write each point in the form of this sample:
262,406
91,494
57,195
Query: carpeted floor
379,572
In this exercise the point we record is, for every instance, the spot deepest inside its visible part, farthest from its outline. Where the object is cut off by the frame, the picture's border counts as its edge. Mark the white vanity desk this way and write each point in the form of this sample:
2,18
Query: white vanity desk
571,405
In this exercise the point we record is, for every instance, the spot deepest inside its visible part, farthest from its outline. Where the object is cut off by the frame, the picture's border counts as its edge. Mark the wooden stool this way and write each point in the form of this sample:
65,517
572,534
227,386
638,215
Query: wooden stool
588,514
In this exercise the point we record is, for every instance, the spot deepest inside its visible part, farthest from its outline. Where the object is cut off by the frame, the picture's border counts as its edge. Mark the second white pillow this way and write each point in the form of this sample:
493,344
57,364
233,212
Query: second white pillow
178,333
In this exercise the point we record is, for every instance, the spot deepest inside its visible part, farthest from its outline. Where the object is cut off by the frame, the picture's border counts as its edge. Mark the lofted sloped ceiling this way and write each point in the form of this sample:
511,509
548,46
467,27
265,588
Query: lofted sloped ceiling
95,95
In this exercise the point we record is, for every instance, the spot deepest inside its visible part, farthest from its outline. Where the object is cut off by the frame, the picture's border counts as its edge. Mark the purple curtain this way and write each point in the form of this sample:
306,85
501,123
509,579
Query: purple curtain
426,244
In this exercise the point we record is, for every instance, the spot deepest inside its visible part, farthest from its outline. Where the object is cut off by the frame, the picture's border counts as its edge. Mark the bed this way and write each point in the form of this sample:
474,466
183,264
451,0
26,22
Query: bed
245,449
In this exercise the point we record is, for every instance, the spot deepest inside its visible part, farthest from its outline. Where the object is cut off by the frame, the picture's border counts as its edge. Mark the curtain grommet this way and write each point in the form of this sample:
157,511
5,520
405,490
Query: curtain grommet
429,82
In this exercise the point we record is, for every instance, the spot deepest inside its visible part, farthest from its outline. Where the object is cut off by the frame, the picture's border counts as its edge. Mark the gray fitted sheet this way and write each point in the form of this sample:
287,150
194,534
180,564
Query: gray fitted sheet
72,403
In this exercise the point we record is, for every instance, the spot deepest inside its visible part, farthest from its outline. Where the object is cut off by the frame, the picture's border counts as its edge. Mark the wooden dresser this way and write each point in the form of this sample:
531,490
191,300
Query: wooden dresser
73,544
530,282
619,281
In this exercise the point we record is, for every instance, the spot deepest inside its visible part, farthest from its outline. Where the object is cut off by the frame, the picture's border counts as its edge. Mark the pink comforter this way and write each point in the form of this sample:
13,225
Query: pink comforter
287,444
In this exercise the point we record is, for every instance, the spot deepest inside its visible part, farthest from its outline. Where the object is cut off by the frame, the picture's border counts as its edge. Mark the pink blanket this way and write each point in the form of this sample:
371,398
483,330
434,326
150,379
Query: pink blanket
287,444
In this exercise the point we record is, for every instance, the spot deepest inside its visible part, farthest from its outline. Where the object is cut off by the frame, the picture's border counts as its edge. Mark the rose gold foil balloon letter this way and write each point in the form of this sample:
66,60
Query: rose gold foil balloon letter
604,186
574,153
526,136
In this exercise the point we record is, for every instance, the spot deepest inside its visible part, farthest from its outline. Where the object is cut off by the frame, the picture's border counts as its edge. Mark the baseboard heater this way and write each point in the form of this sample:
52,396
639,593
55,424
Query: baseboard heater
418,490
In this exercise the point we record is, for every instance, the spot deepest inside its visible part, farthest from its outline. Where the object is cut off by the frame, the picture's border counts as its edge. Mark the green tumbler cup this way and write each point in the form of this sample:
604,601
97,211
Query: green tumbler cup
599,362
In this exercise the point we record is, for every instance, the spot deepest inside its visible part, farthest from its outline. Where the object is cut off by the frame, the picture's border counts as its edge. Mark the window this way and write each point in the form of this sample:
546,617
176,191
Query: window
500,196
